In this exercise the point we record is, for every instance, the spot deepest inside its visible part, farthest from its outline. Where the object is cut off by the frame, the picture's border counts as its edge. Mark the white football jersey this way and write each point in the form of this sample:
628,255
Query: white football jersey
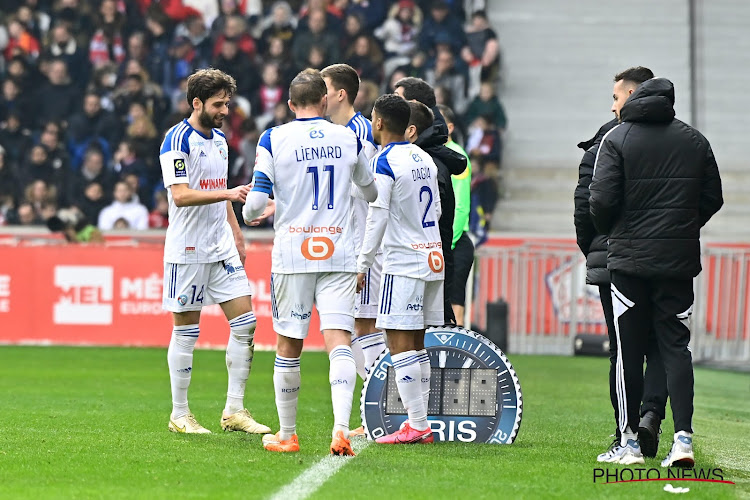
309,165
362,127
199,234
407,184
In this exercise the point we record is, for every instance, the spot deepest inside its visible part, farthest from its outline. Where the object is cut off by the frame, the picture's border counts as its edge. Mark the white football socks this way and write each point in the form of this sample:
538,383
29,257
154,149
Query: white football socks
286,383
424,366
372,346
626,435
408,381
180,361
359,358
342,375
239,359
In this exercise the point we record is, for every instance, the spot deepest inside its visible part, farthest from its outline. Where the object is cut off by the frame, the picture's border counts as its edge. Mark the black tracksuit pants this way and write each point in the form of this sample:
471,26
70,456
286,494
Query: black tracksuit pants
658,308
655,380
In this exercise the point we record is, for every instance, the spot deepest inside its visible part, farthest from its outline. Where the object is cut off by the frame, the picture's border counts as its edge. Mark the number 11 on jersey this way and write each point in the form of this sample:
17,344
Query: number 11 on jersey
316,185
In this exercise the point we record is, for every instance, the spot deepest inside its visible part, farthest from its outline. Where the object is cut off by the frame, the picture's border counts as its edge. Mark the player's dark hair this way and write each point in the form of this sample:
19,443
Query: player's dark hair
394,111
420,116
637,75
206,83
448,114
344,77
307,88
417,89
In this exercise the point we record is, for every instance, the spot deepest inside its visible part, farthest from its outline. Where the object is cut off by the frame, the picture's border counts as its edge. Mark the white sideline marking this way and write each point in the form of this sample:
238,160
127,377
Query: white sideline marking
313,478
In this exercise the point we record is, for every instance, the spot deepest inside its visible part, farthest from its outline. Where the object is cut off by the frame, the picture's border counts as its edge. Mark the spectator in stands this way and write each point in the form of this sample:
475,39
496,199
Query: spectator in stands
483,140
279,24
92,170
399,34
181,64
446,75
227,9
26,216
36,21
92,124
64,46
142,193
181,111
242,171
151,62
281,115
157,23
366,59
487,103
76,16
59,99
233,61
279,54
20,41
352,30
236,29
372,13
123,207
438,24
271,93
194,29
40,195
8,182
159,216
333,16
15,139
482,47
103,83
126,162
26,76
316,36
416,66
484,196
12,99
142,133
136,89
121,223
92,202
107,43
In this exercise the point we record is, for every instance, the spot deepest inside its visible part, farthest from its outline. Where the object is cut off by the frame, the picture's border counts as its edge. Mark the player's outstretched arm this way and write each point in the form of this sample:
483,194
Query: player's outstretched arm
256,204
377,220
369,193
184,196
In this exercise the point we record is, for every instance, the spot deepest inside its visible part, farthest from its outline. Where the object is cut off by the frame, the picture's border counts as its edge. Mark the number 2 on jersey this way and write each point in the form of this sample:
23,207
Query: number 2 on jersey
427,190
316,185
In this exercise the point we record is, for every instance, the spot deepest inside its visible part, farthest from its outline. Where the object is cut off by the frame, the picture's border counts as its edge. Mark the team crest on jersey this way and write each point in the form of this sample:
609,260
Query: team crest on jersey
223,152
179,168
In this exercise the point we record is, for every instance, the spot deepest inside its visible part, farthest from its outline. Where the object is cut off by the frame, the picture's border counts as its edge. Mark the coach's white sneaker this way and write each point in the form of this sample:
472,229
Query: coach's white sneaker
243,421
629,454
681,454
186,425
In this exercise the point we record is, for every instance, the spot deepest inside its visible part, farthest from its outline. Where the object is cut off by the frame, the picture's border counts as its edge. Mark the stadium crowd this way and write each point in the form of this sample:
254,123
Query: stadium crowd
90,86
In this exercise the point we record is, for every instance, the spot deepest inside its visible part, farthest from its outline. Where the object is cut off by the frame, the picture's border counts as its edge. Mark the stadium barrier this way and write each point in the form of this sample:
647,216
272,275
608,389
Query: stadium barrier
54,293
544,283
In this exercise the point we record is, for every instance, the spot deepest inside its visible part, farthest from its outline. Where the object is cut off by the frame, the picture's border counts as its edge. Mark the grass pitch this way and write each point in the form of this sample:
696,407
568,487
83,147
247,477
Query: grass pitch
92,423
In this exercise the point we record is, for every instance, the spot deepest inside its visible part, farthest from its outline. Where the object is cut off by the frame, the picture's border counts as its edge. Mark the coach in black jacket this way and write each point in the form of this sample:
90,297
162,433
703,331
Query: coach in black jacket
655,184
594,246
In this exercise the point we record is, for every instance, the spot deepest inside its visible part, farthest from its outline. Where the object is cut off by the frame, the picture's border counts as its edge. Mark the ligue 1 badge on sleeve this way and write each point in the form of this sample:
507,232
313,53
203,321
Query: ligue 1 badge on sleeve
475,395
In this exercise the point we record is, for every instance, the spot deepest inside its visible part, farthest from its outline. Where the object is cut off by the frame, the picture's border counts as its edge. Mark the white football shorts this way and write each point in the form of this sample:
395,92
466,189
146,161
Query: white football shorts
366,302
188,287
293,296
409,303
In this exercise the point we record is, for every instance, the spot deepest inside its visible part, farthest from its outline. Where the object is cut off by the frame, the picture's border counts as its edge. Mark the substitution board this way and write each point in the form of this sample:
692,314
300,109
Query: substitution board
475,395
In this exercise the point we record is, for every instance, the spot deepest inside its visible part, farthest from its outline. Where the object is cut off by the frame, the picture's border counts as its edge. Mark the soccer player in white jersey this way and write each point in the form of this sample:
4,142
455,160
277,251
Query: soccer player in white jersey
342,82
204,251
404,217
309,165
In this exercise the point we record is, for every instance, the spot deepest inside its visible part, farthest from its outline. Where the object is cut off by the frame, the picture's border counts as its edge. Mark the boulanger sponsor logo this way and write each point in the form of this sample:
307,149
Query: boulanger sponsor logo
427,245
642,474
317,248
4,293
435,261
316,229
85,295
180,169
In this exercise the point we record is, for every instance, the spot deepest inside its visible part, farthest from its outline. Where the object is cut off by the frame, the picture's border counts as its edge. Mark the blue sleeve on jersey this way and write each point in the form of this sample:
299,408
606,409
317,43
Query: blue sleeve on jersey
265,141
382,166
176,140
262,183
359,146
220,133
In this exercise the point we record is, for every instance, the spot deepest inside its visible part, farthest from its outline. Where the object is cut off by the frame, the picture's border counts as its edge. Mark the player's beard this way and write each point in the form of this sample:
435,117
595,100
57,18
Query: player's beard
208,122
